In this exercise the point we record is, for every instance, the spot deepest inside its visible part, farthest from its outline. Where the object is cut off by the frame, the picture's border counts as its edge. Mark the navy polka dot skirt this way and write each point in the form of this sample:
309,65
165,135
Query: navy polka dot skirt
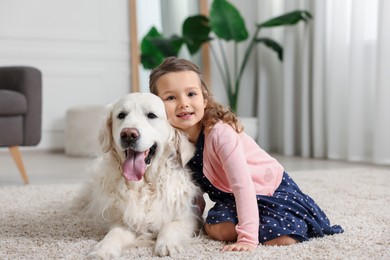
288,212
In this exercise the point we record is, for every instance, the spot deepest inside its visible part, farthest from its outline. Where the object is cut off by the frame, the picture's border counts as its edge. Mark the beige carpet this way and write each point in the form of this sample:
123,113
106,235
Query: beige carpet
36,222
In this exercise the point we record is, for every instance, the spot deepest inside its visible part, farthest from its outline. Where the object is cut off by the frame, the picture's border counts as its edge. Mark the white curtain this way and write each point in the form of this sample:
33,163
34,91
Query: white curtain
330,98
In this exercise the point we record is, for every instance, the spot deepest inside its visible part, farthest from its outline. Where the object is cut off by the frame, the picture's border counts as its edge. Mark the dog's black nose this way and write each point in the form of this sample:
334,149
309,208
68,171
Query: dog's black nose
129,134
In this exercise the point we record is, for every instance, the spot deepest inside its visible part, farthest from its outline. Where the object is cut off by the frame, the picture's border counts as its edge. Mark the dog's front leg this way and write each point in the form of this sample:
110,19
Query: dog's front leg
112,244
173,238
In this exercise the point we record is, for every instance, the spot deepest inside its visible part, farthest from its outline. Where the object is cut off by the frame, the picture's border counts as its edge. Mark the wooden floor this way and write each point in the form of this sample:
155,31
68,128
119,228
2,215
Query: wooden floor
44,167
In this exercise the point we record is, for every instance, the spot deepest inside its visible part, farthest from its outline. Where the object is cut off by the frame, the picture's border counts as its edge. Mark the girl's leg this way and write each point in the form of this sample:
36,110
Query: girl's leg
225,231
281,241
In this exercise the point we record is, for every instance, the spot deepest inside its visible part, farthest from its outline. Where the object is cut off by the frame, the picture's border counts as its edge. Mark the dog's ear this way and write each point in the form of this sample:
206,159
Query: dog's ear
184,147
105,132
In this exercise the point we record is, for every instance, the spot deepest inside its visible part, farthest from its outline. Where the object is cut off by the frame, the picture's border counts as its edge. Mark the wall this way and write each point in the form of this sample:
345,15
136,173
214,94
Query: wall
81,47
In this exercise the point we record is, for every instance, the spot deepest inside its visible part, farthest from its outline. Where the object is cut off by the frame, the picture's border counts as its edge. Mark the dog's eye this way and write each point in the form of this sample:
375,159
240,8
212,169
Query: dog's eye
121,115
151,115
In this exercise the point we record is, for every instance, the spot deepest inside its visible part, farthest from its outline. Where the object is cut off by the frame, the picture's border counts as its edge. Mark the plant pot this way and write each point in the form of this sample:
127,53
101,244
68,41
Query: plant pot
251,127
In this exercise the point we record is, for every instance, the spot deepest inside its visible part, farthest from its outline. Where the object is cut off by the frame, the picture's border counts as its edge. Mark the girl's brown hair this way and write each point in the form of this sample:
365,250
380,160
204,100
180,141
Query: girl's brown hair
214,111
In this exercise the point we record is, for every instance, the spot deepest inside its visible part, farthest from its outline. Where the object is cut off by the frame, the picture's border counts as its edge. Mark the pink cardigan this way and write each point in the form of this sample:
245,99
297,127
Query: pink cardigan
235,163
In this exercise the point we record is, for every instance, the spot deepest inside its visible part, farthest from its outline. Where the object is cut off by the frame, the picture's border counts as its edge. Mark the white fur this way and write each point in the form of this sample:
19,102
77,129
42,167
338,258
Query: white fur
160,208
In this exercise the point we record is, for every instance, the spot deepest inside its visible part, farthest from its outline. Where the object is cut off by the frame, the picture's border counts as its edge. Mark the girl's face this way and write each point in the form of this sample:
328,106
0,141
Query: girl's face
184,102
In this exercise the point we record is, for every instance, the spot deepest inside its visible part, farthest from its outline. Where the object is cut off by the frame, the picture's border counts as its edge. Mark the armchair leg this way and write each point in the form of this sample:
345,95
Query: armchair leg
16,155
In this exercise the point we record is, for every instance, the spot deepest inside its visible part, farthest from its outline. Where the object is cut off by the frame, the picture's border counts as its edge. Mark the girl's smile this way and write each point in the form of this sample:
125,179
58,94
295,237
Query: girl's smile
185,115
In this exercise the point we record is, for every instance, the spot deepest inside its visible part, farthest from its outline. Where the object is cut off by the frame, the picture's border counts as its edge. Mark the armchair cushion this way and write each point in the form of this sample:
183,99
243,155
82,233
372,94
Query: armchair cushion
12,103
20,106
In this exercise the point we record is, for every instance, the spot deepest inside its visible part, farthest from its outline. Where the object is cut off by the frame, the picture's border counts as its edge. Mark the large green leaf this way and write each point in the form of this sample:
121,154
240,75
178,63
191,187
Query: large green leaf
226,21
168,46
150,55
287,19
196,31
272,45
154,48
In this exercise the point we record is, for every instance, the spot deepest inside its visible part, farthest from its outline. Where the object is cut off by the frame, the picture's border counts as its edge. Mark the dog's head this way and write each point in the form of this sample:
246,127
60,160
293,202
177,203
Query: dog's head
137,130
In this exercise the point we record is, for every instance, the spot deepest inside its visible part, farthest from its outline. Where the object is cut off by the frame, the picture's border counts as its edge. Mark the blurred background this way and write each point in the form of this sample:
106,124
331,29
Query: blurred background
328,99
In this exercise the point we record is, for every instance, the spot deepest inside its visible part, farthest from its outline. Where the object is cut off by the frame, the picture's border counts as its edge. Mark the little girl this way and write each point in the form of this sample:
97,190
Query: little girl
255,199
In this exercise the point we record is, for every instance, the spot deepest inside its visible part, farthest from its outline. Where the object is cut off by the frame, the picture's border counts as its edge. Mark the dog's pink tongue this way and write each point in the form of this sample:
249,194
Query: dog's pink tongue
134,166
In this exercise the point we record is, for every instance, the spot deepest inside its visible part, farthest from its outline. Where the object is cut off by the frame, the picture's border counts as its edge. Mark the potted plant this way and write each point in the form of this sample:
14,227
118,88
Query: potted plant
225,23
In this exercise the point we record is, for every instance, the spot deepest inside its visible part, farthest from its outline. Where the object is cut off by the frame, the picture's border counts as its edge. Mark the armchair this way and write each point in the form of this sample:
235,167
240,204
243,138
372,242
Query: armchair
20,110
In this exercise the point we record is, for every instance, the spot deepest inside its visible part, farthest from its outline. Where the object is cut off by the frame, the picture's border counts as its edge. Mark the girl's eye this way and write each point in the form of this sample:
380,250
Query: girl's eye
170,98
191,94
151,115
121,115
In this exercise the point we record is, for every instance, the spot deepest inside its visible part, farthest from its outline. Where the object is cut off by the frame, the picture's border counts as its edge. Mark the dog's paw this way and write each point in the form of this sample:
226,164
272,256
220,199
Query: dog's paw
94,255
164,249
101,252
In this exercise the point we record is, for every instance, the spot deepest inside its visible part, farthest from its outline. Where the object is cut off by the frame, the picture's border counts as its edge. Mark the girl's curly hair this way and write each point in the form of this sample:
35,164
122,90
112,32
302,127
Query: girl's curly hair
214,112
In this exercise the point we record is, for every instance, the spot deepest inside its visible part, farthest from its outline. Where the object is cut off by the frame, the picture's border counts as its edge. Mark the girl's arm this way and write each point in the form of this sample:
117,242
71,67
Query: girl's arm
201,204
232,157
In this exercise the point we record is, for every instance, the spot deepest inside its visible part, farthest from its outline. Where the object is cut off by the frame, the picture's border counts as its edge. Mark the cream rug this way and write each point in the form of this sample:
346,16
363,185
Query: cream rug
37,223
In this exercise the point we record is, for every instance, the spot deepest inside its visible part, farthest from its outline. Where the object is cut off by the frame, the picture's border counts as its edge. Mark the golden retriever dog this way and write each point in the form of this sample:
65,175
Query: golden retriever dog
140,186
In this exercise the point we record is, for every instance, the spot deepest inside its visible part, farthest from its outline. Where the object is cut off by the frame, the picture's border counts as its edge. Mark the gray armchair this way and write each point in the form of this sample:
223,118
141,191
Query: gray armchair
20,110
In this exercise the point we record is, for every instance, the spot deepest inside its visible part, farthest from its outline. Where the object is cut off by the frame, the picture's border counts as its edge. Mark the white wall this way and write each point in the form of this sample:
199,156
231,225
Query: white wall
148,15
81,47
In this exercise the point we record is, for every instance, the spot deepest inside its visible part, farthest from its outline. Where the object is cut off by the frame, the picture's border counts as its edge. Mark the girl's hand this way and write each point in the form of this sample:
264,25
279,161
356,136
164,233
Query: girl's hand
238,247
201,203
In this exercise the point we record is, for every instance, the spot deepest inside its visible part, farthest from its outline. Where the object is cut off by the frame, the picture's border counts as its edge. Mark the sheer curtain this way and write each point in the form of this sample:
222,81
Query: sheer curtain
330,98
